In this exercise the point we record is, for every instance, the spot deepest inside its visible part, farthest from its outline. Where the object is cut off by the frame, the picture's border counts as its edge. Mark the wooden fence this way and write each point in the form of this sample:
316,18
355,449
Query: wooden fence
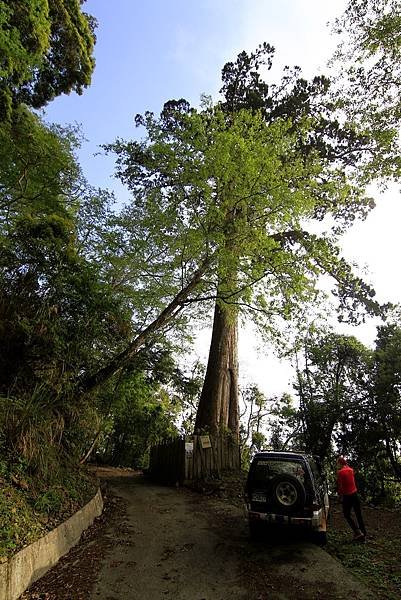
194,458
167,461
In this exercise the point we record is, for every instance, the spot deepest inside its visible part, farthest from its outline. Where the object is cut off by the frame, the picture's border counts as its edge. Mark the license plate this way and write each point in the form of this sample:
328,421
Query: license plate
259,497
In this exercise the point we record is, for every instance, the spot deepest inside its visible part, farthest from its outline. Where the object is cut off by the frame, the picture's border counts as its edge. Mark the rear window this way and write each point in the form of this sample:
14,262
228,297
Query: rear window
317,474
265,469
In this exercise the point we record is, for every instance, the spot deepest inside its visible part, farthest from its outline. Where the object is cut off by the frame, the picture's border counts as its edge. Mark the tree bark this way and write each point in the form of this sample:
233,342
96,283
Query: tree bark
218,406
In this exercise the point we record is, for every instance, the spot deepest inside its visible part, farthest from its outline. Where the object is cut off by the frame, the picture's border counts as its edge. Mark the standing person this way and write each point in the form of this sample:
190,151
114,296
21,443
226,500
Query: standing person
348,492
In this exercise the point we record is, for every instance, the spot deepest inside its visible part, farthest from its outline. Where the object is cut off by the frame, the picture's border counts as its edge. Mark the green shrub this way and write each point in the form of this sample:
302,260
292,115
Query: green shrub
20,525
50,502
29,506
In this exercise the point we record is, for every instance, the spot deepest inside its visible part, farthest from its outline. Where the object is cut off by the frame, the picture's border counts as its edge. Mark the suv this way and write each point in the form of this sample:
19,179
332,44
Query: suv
287,488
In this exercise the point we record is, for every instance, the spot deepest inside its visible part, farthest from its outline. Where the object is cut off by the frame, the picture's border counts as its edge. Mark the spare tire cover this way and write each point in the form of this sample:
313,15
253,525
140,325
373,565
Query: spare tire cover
288,493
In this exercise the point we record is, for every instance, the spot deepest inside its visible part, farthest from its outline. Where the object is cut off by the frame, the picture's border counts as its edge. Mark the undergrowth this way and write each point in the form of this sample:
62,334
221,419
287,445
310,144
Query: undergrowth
376,562
41,484
31,505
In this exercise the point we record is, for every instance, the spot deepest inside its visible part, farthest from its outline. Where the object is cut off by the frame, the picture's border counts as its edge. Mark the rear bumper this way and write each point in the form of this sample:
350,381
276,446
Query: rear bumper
316,522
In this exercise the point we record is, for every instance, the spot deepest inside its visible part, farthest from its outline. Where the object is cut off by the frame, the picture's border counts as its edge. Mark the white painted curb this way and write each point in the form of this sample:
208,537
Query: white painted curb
32,562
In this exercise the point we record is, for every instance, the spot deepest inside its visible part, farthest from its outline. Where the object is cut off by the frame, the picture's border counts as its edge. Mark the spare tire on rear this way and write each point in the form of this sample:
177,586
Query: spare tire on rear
287,493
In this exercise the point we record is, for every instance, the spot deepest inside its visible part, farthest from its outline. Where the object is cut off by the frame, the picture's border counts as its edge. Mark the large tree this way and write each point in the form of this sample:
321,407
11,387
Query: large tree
220,202
296,100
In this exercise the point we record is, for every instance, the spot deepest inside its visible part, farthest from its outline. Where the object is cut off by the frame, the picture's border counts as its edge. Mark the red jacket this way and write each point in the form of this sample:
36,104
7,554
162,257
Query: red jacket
346,481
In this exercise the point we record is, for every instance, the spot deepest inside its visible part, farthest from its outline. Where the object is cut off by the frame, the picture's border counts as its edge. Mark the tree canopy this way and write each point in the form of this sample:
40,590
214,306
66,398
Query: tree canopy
339,144
369,59
199,186
46,281
332,378
46,49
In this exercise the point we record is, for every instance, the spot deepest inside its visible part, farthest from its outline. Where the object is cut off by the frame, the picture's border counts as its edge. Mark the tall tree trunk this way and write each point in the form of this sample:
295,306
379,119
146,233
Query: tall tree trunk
218,405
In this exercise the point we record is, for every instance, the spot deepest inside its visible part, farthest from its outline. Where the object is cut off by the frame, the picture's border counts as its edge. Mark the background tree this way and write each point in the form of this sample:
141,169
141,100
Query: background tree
187,384
53,301
146,383
331,383
268,423
47,50
252,419
371,432
386,383
358,437
141,415
285,424
58,314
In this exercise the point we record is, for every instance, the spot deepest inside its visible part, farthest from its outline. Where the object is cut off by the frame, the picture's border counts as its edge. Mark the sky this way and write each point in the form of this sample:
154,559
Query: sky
147,53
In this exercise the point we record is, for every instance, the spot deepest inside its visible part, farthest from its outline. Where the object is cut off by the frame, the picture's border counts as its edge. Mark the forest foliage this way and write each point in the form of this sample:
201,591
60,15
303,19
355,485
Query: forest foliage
347,400
47,50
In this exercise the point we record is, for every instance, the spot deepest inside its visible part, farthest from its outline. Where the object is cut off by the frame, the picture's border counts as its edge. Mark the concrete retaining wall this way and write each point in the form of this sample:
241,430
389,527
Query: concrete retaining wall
31,563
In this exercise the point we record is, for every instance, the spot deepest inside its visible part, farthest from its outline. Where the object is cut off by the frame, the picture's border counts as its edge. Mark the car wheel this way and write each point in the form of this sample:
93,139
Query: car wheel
288,492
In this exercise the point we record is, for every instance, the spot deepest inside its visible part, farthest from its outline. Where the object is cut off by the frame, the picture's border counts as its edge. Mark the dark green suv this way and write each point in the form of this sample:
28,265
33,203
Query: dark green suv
287,488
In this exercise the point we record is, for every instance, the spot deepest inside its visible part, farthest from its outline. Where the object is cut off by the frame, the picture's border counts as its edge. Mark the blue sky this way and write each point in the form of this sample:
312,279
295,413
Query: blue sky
150,52
147,53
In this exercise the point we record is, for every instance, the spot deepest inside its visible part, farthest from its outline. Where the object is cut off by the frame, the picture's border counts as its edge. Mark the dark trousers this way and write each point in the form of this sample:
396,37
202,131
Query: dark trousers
351,501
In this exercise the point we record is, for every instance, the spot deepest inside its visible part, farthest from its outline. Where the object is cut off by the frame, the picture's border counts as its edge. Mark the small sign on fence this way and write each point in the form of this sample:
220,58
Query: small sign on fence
189,447
205,441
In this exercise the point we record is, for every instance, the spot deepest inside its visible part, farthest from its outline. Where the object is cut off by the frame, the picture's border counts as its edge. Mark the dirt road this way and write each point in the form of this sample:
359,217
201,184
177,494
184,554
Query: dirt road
168,543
